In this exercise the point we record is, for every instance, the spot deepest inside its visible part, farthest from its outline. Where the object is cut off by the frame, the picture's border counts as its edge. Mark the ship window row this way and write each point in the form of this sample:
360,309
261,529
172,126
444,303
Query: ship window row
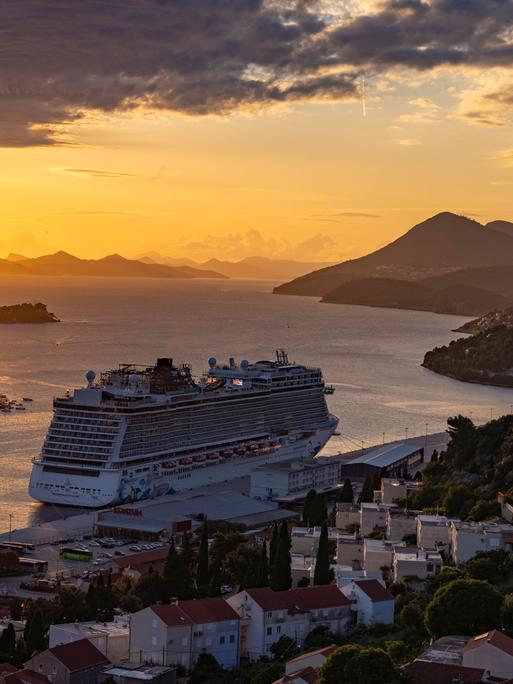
91,439
66,425
91,418
63,441
78,449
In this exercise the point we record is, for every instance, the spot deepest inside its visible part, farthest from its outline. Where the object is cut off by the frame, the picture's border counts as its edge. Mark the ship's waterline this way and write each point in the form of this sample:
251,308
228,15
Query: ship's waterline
138,433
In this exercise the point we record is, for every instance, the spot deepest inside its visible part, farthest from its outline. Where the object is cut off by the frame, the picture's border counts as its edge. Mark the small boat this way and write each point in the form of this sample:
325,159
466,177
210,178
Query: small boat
328,389
27,399
198,459
169,465
185,461
19,407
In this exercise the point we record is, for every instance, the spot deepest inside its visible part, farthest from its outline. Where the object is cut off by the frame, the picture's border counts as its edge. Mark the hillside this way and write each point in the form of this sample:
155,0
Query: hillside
490,320
402,294
256,268
486,358
64,264
501,226
441,244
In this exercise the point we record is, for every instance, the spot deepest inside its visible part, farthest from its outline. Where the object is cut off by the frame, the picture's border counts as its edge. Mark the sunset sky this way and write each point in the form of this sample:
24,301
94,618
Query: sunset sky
315,130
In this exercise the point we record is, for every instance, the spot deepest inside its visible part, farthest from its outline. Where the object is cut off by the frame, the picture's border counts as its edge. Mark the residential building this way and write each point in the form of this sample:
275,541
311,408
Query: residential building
467,538
492,651
266,615
350,550
433,531
24,676
305,540
306,676
373,517
177,633
394,458
313,659
130,673
371,601
301,567
414,562
401,523
378,554
393,489
78,662
110,638
276,480
344,574
432,672
347,516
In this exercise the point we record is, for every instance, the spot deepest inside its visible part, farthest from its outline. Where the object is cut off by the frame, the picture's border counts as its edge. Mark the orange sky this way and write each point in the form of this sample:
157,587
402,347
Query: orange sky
313,179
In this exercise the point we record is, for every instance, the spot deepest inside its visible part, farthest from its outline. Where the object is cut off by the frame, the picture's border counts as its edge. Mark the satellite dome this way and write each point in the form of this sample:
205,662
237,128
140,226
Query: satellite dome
244,363
90,376
134,378
212,361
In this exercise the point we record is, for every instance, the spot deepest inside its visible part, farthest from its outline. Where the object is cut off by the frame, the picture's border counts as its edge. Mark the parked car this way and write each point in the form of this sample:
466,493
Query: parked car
119,553
135,548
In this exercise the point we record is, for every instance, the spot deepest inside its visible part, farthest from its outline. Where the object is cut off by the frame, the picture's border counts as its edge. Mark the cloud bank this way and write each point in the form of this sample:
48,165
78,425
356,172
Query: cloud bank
62,61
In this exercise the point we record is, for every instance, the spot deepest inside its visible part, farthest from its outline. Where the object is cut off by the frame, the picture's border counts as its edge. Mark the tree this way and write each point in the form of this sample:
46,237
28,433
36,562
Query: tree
207,670
346,494
367,493
464,607
8,641
319,637
318,511
307,506
355,664
284,649
434,456
177,576
202,568
152,588
216,578
187,554
323,573
36,634
281,578
263,567
273,547
458,501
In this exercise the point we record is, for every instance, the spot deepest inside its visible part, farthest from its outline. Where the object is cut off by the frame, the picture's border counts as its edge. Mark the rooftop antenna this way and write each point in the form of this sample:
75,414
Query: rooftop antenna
281,357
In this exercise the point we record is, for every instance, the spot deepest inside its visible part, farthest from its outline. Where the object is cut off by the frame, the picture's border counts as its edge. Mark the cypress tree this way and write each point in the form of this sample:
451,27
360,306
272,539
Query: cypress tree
177,576
346,494
309,499
202,569
323,573
318,511
187,552
214,587
281,577
273,547
36,637
366,494
263,568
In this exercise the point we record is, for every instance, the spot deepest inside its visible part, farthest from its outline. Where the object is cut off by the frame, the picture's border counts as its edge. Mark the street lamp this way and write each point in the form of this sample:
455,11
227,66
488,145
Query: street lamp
11,516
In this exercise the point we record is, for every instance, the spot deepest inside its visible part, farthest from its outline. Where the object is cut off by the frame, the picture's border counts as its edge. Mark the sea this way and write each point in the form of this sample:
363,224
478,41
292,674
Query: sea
372,357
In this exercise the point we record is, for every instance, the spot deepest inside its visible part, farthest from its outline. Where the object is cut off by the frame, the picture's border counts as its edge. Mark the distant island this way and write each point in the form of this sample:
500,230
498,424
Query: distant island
486,358
490,320
27,313
446,264
114,265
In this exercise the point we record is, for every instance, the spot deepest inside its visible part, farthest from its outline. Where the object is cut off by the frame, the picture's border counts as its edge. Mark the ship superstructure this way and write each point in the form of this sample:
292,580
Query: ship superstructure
140,432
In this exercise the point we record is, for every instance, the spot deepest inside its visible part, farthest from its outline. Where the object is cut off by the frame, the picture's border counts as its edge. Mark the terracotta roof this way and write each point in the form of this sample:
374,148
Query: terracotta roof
79,655
195,612
430,672
300,600
6,668
495,637
308,675
26,676
144,558
326,651
507,537
374,590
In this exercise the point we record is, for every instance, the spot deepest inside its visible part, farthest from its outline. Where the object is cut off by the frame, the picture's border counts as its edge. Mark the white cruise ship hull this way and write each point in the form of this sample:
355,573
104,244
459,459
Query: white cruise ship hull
113,487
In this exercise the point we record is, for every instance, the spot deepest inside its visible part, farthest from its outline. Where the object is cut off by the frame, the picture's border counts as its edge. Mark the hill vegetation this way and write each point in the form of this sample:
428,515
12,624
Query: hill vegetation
486,358
490,320
27,313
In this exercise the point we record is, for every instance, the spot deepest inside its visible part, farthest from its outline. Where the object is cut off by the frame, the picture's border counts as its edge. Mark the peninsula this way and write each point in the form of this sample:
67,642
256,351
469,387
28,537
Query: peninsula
27,313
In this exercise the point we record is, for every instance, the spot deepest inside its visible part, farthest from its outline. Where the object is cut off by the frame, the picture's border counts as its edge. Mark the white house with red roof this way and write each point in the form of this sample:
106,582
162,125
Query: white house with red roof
306,676
492,652
371,601
177,633
267,615
78,662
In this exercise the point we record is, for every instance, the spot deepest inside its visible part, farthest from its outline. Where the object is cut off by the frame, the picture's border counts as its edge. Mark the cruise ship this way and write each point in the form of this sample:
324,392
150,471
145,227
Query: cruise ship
141,432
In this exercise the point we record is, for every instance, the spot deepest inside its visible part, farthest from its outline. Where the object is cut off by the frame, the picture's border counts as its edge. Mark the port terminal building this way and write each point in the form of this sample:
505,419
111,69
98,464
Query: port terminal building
394,459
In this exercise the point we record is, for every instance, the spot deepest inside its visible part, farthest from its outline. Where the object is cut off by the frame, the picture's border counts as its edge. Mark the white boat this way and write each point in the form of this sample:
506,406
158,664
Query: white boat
138,433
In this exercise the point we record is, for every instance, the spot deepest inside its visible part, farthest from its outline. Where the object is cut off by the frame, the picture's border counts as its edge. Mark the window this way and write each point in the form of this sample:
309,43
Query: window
269,631
154,624
269,615
184,641
278,629
232,638
153,641
221,639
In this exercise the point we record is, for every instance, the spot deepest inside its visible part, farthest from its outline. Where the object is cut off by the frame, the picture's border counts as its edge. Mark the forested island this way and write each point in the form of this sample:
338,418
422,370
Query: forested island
486,357
488,321
27,313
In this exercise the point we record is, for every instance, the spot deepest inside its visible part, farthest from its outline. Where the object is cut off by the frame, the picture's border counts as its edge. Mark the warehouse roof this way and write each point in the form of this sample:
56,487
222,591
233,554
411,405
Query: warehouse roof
385,455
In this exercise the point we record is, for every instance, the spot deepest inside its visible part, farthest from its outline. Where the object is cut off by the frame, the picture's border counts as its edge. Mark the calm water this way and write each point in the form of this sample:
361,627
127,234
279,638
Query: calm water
372,356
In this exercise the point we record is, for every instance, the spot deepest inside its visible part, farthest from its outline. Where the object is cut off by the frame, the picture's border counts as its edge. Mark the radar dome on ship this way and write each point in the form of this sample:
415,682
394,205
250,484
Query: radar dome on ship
244,363
90,377
134,379
212,361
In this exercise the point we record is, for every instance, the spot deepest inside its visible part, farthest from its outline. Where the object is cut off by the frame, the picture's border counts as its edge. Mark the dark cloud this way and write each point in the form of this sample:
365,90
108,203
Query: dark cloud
60,59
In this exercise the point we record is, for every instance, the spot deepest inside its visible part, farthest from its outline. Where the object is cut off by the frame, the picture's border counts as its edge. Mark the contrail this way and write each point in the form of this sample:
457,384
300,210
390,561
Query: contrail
364,107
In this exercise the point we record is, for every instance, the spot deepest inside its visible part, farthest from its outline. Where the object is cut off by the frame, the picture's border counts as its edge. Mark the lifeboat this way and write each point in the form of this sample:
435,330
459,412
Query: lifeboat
253,447
198,458
169,466
226,454
275,443
212,457
240,451
185,461
263,445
